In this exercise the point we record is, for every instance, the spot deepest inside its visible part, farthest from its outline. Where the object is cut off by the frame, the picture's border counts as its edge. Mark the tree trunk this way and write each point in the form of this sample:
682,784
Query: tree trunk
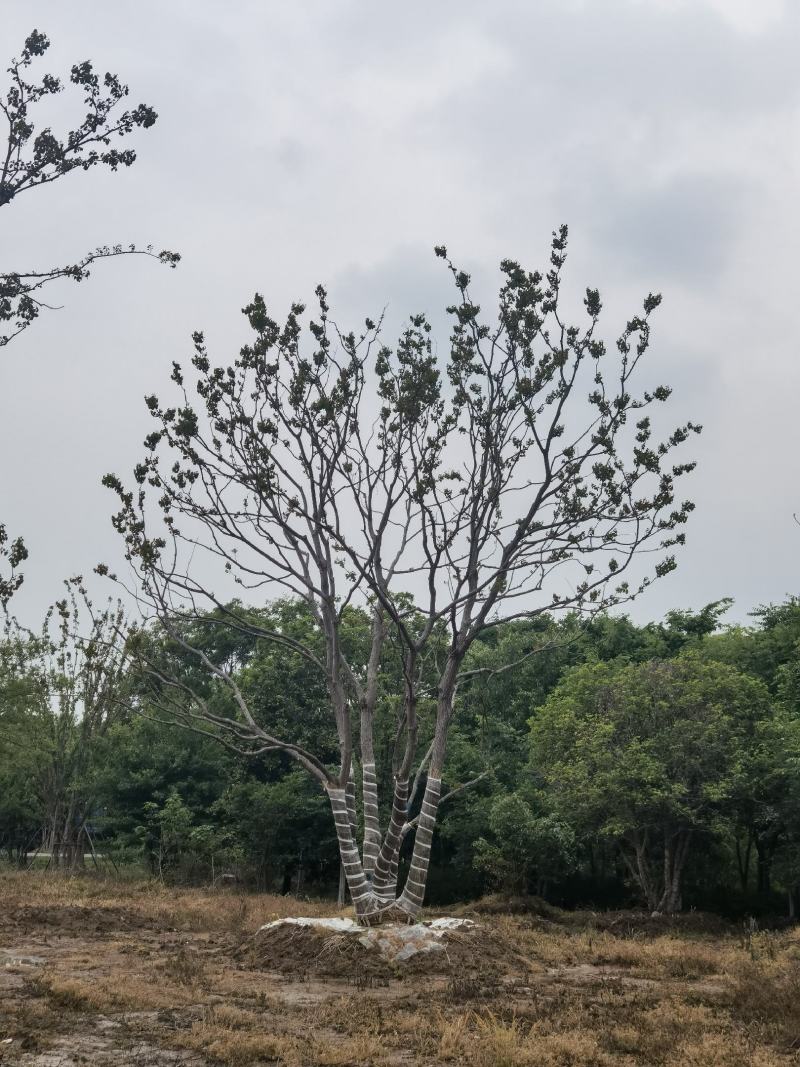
639,867
353,869
646,877
384,881
764,852
743,860
350,797
340,897
71,846
372,829
414,891
369,781
676,849
413,895
286,882
373,882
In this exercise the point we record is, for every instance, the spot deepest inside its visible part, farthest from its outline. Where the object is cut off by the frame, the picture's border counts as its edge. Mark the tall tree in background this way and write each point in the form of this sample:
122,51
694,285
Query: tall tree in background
770,650
501,482
652,757
75,670
21,814
35,157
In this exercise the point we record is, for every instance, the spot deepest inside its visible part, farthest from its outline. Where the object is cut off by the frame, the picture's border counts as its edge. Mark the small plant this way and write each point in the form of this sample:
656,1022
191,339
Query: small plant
184,967
467,987
361,978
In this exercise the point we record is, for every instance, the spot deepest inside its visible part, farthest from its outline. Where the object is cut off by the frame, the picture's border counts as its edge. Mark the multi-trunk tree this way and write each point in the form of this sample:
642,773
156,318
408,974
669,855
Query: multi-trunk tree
515,475
35,157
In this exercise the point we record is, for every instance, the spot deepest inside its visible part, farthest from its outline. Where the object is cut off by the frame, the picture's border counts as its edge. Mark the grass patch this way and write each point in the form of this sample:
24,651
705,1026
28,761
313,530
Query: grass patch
166,968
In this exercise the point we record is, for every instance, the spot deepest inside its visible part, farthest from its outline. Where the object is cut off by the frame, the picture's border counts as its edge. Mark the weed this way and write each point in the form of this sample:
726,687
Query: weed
184,967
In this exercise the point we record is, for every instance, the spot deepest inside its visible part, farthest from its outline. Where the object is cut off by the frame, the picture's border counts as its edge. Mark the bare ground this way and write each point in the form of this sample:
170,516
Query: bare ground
94,972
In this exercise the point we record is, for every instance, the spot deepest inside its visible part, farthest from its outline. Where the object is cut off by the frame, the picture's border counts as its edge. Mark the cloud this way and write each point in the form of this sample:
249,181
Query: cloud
311,142
684,229
749,17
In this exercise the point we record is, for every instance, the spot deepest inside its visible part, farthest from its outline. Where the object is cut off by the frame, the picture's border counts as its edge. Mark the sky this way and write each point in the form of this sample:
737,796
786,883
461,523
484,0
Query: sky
337,141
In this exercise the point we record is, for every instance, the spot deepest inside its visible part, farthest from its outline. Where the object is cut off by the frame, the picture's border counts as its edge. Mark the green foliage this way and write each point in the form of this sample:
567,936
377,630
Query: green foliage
630,745
145,763
603,736
651,753
15,553
524,841
21,738
770,650
283,828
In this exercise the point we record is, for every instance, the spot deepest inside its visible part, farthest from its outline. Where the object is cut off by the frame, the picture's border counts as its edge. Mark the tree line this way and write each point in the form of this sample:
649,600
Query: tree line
653,765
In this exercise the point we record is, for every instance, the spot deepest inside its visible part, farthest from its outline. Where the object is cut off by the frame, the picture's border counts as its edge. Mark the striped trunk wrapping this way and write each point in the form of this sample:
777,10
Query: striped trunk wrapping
385,879
414,892
353,871
350,798
372,829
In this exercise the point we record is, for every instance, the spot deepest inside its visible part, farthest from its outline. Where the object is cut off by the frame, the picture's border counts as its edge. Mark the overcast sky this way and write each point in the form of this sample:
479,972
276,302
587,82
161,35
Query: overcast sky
339,141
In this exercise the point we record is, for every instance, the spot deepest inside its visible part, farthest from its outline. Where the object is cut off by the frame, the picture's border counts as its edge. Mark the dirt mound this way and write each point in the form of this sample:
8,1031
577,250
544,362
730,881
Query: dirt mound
303,951
72,918
376,955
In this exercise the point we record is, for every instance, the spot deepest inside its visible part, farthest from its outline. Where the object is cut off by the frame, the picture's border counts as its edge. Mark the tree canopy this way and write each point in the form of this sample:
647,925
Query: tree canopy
516,475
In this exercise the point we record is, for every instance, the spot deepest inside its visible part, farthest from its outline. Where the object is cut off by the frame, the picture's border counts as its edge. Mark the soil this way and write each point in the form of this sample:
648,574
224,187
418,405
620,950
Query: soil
303,951
104,975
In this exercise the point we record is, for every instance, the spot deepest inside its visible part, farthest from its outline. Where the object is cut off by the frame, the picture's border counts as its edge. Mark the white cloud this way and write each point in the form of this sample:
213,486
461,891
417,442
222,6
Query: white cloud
745,16
339,142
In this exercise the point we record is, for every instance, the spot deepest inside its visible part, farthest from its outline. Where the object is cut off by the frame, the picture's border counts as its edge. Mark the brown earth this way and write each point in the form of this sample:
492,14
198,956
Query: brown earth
93,972
303,952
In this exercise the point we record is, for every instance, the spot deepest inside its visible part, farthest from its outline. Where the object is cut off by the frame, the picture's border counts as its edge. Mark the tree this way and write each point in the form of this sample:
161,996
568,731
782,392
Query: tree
76,681
524,842
765,649
485,486
769,651
138,763
21,814
649,756
37,157
34,158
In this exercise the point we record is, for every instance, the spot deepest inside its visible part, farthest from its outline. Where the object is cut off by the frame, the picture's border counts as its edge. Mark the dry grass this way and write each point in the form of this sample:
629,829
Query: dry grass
669,1034
657,956
239,1045
150,903
164,967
